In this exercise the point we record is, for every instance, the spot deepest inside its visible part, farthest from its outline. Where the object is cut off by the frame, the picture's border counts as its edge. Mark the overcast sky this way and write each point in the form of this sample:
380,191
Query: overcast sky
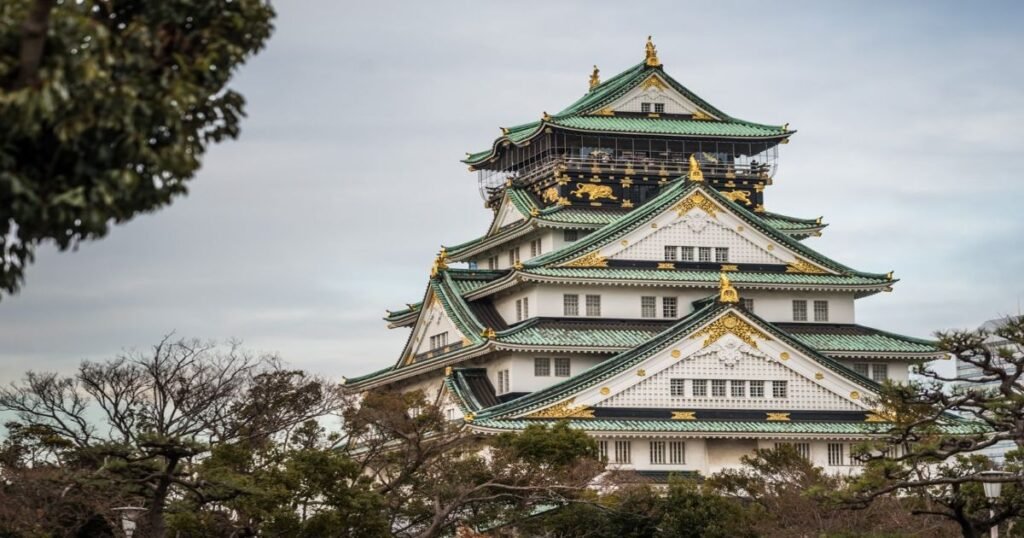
346,178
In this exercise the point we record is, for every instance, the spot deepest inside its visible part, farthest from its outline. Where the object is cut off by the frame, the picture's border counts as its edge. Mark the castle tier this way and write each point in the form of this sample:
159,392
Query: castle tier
632,282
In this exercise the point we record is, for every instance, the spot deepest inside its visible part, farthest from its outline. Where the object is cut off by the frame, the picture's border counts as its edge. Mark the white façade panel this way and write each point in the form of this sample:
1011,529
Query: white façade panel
654,90
433,321
507,214
697,229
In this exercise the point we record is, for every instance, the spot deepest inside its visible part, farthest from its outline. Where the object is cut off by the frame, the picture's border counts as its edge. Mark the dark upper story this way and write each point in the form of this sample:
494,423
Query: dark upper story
624,139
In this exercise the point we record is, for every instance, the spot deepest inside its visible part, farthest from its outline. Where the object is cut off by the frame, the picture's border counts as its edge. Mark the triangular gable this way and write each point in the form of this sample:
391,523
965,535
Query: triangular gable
655,90
442,311
506,214
715,333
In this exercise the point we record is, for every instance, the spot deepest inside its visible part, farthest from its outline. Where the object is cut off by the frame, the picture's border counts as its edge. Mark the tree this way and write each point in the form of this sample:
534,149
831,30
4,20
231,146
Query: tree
108,107
160,415
932,452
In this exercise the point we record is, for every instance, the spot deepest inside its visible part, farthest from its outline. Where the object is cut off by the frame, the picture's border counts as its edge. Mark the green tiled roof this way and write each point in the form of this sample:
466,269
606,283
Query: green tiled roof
542,333
464,281
719,426
575,215
859,339
581,116
707,277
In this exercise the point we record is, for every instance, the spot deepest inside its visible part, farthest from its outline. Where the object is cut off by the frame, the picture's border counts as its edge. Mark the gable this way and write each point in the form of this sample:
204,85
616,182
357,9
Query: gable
698,221
432,321
506,214
654,89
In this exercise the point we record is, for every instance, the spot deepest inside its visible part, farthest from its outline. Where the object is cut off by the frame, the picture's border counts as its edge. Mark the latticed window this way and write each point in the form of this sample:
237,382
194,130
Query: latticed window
677,387
862,368
757,389
721,254
519,310
670,253
602,450
799,310
541,367
570,235
718,388
526,307
659,108
502,381
738,389
492,262
879,372
677,452
648,307
439,340
658,453
623,454
779,389
570,305
535,247
593,305
513,256
835,454
820,310
704,253
669,307
645,107
747,303
562,367
700,388
686,254
803,449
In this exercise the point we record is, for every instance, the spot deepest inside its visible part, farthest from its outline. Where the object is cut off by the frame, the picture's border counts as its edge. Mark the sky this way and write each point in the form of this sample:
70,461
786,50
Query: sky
346,179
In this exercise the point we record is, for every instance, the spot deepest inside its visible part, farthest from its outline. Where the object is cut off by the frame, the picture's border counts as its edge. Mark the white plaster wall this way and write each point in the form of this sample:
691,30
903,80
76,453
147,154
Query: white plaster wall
506,304
899,371
640,452
726,453
778,306
521,372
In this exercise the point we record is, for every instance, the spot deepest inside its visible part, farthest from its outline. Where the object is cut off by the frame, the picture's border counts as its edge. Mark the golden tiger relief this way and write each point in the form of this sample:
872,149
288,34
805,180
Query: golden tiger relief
739,196
550,195
594,192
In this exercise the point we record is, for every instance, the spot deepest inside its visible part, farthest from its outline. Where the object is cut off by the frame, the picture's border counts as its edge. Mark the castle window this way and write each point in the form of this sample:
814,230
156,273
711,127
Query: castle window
676,387
747,303
757,389
835,454
721,254
779,389
686,254
718,388
677,452
562,367
570,235
659,108
670,253
570,305
502,381
648,307
820,310
535,248
438,341
738,388
594,305
645,107
602,450
879,372
700,388
669,307
522,308
513,256
492,262
657,452
541,367
863,369
705,254
799,310
623,454
803,449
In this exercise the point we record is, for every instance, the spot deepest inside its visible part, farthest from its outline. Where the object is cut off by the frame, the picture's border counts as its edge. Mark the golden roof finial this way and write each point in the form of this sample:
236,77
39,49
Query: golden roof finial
440,263
652,54
546,116
727,293
595,79
695,174
488,333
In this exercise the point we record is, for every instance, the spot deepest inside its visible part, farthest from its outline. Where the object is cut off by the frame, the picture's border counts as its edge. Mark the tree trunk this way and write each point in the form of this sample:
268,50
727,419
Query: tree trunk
33,39
155,525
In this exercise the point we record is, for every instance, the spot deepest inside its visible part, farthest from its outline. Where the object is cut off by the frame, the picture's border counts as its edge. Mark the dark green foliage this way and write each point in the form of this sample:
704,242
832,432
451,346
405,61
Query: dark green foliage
108,114
559,446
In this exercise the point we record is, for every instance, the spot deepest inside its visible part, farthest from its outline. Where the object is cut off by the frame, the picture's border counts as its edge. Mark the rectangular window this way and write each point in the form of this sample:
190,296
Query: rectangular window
835,454
562,367
593,305
677,452
570,235
686,254
541,367
863,369
622,452
648,307
671,253
526,307
669,307
570,305
513,256
657,452
677,387
757,389
803,449
820,310
721,254
602,450
659,108
879,372
705,254
738,389
718,388
700,388
856,460
535,248
799,310
519,310
645,107
779,389
502,381
747,304
438,341
492,262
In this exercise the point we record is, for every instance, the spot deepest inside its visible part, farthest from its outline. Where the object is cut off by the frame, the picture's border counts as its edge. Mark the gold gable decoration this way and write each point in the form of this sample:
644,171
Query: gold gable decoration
440,263
564,409
695,174
651,53
730,323
699,201
800,265
727,293
684,415
595,78
593,259
653,81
